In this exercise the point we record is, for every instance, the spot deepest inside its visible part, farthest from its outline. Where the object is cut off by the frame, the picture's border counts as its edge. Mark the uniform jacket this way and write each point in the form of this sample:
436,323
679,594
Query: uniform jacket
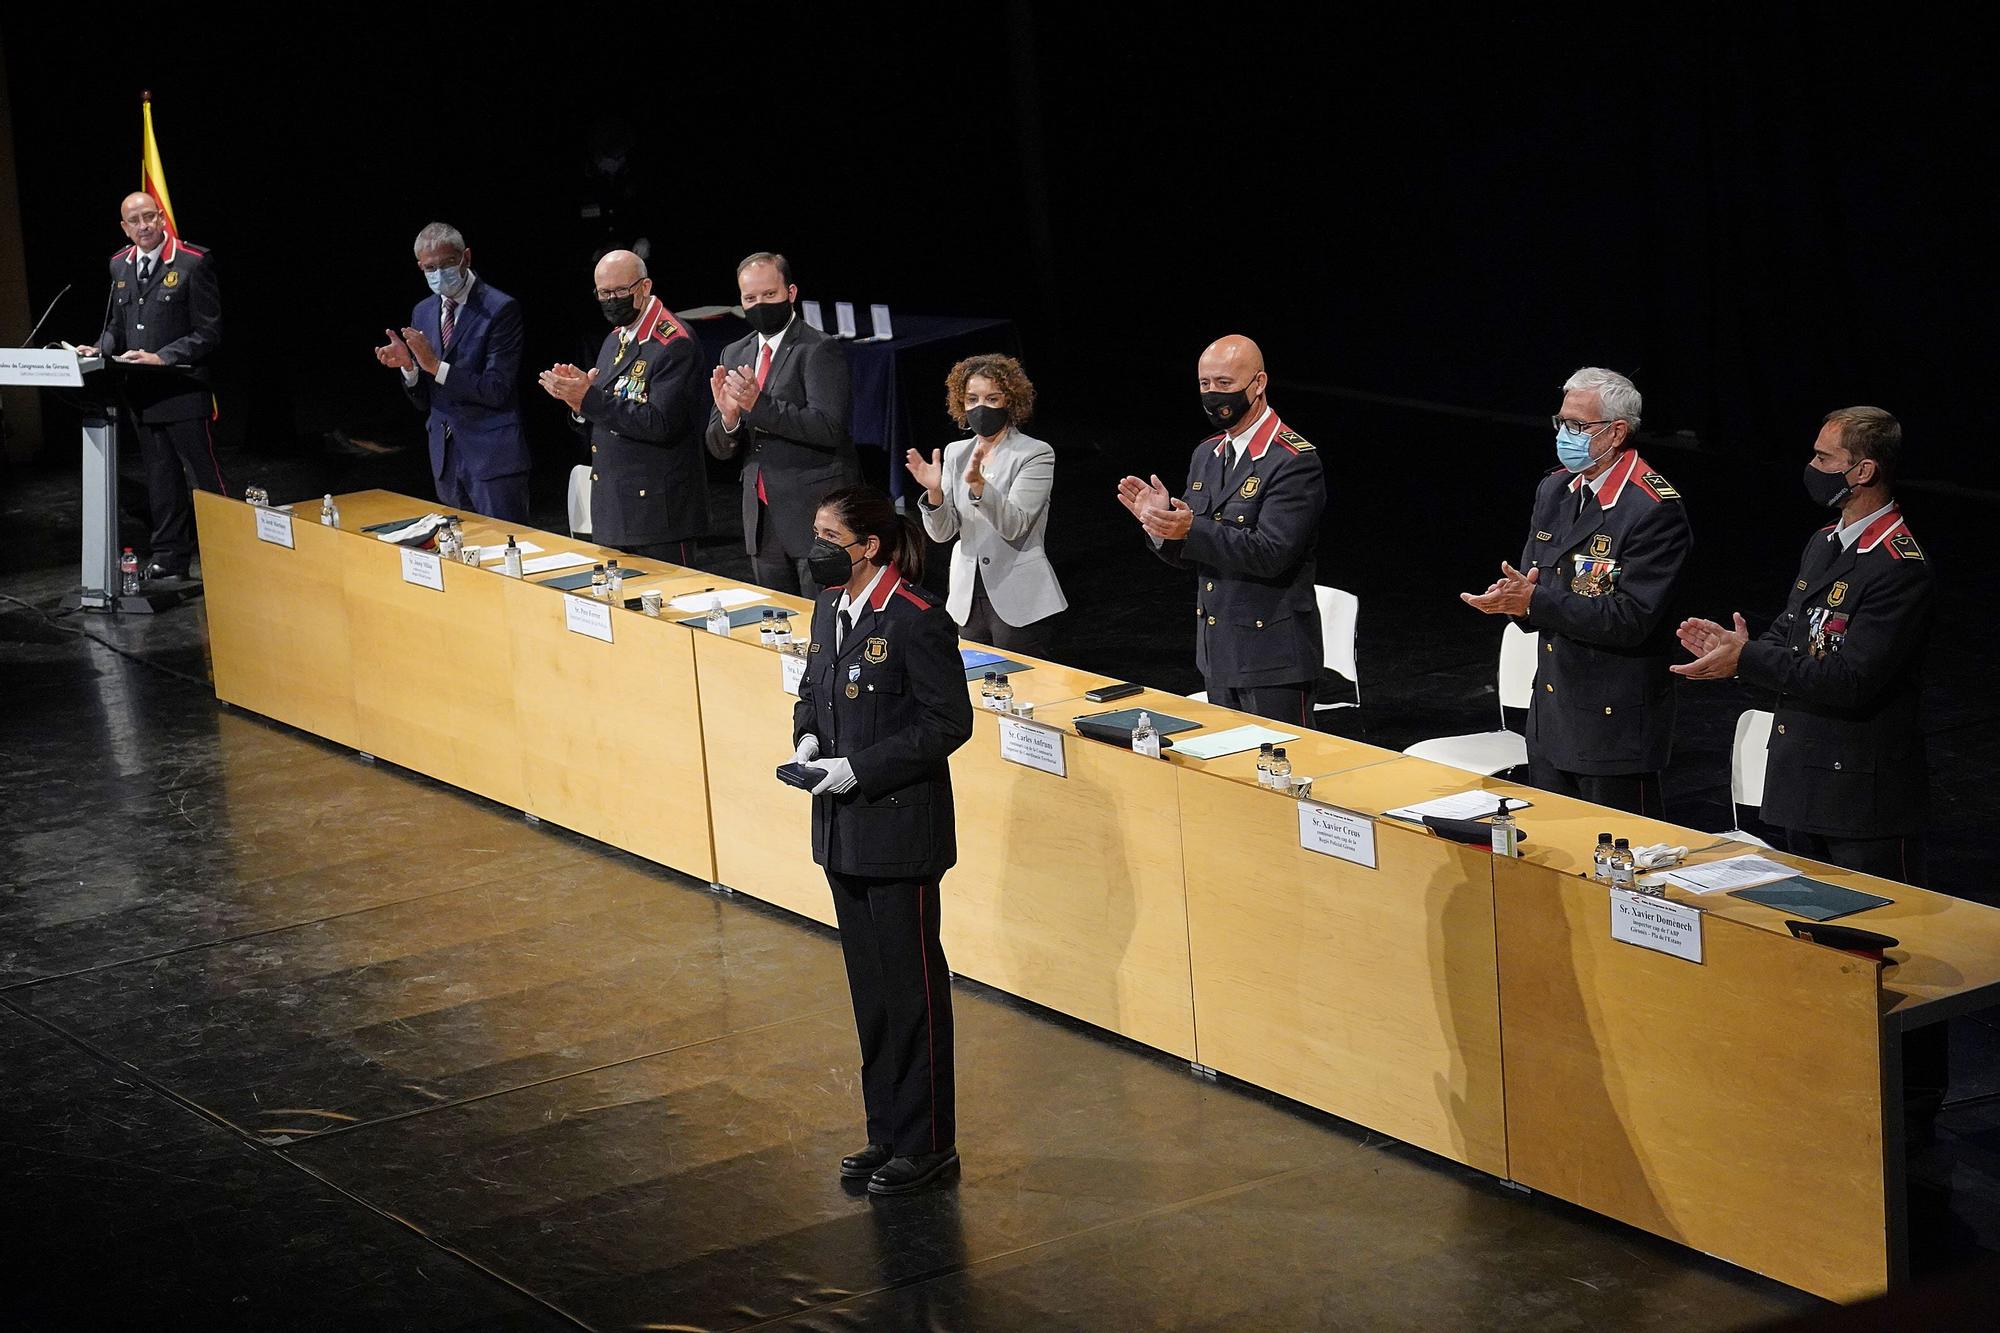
1254,550
892,702
1001,534
647,480
795,439
177,315
1604,606
479,399
1847,748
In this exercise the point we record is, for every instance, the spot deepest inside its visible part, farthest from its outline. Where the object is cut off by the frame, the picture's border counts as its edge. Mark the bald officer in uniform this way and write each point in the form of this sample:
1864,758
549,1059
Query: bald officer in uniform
1248,526
1603,561
644,405
165,311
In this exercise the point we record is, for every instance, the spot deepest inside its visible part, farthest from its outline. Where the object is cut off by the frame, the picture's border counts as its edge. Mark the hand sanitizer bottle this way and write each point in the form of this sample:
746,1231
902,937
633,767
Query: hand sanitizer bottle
1145,740
718,619
511,558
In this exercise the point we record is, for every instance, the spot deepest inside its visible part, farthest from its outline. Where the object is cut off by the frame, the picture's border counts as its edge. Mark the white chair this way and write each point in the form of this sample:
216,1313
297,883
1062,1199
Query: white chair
1748,754
1338,613
579,500
1491,752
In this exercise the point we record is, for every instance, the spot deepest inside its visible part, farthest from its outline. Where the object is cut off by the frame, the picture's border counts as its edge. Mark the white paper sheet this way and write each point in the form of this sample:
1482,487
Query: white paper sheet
493,555
550,563
1216,744
1460,805
1731,873
731,598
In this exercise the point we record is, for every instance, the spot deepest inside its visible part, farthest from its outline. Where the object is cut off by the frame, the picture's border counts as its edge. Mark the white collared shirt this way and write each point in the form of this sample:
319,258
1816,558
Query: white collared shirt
1851,533
444,367
848,603
1241,440
140,256
775,339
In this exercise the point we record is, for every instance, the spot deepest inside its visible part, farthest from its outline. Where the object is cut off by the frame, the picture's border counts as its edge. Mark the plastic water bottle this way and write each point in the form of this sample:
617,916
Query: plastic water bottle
329,513
1145,740
1264,764
599,582
718,619
128,573
1600,859
1506,833
1623,873
1281,770
1003,695
986,689
510,559
781,632
614,582
767,627
448,539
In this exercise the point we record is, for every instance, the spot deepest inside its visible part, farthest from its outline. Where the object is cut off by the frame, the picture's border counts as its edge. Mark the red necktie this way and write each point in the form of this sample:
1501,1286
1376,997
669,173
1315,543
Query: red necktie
450,323
763,373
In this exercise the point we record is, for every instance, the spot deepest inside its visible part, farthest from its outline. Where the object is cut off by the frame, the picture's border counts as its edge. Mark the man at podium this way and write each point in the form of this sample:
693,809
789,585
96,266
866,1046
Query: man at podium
165,311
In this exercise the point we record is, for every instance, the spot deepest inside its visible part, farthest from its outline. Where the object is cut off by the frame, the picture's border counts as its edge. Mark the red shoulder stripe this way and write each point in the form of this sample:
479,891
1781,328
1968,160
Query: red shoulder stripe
126,253
196,251
903,591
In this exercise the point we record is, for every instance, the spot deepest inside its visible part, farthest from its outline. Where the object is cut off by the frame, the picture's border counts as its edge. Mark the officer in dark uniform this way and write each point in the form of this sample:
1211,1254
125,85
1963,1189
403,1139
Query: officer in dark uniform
644,405
881,707
166,311
1603,565
1846,776
1248,525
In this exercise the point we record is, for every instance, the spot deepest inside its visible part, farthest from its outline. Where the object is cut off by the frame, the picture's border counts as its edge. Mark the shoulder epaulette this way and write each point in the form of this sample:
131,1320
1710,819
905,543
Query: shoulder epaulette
1658,486
187,249
668,329
1904,547
904,590
1294,441
126,253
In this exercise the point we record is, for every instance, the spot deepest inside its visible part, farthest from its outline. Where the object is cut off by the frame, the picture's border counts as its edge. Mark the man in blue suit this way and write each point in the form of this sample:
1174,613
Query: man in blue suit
460,359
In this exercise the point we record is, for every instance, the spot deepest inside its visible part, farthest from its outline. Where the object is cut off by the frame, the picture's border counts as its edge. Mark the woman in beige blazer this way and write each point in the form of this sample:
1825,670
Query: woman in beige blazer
992,493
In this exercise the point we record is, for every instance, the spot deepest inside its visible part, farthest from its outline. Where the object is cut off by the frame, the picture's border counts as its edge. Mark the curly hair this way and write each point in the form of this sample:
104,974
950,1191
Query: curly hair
1004,371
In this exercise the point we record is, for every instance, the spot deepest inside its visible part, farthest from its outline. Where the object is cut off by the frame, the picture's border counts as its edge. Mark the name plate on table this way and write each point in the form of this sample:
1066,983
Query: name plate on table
1338,833
1656,924
274,526
423,568
586,615
809,312
1032,746
793,672
878,319
843,315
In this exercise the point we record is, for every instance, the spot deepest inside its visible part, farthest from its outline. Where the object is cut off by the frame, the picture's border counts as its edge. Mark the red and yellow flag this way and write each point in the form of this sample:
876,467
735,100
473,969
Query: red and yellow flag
153,176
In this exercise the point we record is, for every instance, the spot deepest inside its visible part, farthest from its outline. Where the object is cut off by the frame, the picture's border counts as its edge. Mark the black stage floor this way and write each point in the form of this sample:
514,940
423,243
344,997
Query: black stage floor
293,1040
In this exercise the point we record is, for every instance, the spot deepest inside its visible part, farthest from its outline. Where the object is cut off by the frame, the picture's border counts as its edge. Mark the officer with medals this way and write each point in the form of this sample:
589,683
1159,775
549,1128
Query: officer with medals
881,707
1248,526
1603,561
643,403
165,310
1846,776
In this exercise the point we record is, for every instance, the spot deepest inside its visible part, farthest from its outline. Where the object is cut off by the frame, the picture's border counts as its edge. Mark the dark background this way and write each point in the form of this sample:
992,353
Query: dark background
1760,211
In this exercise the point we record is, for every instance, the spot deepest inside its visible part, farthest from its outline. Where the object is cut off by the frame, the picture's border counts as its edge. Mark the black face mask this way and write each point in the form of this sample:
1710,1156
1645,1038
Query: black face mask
768,317
1226,410
1829,490
619,310
828,563
987,420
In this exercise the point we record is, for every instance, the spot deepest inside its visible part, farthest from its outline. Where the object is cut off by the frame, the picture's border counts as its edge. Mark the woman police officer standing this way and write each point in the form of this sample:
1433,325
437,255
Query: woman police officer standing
882,705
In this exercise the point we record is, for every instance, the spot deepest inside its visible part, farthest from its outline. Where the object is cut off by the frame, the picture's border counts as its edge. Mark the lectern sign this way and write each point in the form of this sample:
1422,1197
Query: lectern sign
1656,924
30,366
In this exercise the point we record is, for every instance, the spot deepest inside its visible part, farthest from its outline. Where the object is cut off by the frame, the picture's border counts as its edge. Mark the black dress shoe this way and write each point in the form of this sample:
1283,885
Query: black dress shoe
865,1162
906,1175
159,573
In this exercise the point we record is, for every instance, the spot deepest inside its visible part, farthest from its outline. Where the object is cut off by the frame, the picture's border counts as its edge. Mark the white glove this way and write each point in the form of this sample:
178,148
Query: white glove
839,778
808,749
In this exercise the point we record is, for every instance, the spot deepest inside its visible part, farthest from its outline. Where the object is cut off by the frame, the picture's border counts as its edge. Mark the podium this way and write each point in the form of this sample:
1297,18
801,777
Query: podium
97,387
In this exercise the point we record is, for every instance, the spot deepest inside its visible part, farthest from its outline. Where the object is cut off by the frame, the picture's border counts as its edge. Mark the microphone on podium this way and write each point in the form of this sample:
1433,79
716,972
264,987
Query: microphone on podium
30,342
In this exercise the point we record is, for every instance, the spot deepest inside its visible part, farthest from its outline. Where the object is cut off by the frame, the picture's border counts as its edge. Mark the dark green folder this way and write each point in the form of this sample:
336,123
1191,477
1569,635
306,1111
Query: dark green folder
1166,724
1811,898
568,582
999,666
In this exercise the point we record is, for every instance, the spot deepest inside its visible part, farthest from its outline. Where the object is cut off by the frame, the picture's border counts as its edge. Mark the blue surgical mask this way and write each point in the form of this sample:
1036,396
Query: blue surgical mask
1573,448
446,281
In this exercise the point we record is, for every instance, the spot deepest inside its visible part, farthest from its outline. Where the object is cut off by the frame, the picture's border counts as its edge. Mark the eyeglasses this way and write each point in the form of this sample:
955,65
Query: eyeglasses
1560,422
613,293
433,265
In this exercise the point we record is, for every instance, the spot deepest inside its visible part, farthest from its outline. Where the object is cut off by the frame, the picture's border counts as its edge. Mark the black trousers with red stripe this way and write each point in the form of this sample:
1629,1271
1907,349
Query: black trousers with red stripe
901,986
177,454
1290,704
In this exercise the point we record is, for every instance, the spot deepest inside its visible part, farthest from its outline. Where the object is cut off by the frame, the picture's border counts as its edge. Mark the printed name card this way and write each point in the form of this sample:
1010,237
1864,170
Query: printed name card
1032,745
1339,833
274,526
587,615
1656,924
878,316
809,312
794,671
843,315
423,568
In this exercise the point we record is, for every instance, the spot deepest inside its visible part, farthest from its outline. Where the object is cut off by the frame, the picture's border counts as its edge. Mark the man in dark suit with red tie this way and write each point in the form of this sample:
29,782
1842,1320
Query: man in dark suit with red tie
460,357
165,311
781,402
642,401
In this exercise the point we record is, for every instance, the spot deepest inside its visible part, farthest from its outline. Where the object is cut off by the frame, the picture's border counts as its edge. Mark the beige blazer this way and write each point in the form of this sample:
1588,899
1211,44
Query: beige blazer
1000,535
